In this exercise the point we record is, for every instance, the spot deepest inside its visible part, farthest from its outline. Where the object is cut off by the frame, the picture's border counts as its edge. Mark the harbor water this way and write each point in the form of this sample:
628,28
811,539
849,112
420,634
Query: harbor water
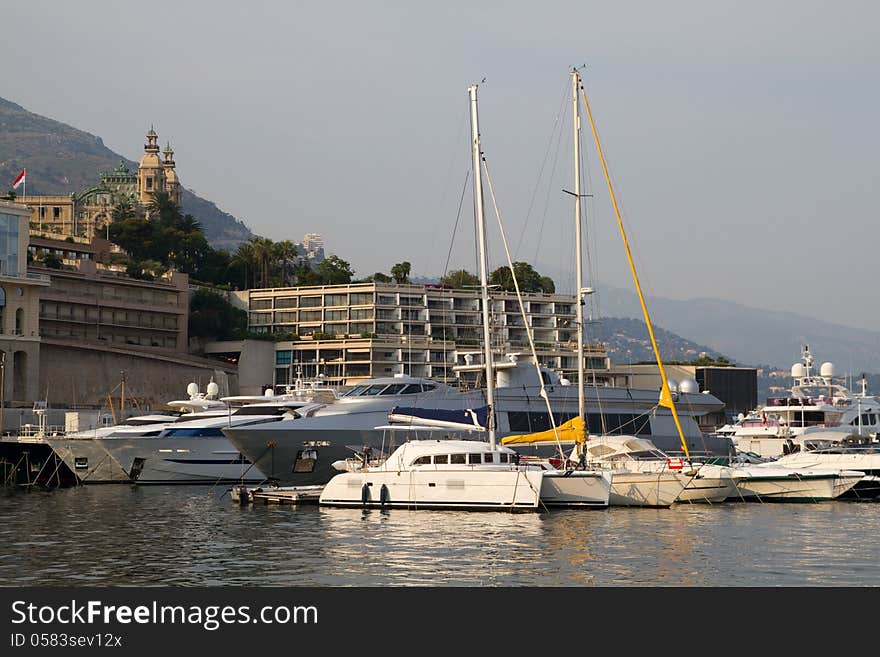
195,535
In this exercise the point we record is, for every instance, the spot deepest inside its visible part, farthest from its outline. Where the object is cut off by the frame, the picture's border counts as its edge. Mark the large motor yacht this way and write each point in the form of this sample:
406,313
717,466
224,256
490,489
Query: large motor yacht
814,402
301,451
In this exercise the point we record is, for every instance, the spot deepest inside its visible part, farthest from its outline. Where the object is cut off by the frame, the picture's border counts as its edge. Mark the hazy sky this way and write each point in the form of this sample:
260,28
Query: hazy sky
741,135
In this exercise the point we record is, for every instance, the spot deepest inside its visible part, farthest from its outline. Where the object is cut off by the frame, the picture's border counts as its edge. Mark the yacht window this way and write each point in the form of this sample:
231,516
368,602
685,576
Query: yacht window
458,458
601,450
427,388
422,460
411,389
393,389
488,458
261,410
375,389
200,432
441,458
505,458
356,391
872,419
474,459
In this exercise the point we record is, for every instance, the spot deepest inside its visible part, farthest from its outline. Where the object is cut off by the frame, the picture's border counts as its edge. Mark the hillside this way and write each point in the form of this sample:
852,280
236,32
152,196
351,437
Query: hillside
753,336
61,159
628,342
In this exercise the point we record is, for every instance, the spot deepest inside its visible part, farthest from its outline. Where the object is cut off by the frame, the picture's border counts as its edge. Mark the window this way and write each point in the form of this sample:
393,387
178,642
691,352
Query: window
310,302
488,458
286,302
335,315
149,182
335,300
361,298
458,458
261,304
309,315
282,358
441,458
411,389
362,313
56,212
422,460
393,389
474,459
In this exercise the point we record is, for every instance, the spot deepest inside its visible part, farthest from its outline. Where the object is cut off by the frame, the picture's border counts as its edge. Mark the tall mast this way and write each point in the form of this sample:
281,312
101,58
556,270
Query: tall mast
484,277
579,274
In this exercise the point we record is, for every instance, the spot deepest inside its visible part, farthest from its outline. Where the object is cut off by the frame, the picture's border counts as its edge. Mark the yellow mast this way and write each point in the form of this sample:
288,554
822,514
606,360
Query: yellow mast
665,394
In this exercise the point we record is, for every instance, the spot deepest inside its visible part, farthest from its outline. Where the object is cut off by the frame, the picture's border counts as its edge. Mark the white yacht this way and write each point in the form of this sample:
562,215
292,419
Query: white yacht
838,449
440,474
190,448
813,402
695,482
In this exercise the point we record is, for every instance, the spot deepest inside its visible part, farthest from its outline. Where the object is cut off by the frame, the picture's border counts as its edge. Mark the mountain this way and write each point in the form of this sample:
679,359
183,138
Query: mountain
628,342
61,159
754,336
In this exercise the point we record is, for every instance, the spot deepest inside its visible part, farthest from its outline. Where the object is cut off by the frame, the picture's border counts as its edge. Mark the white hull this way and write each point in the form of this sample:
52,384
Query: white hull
89,460
644,489
706,489
794,487
576,488
494,490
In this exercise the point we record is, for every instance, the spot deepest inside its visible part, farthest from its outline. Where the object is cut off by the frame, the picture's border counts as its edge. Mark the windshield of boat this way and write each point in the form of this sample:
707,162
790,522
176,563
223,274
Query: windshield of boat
371,390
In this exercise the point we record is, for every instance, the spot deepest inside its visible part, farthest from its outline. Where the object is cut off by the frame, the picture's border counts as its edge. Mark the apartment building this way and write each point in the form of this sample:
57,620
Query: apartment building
354,332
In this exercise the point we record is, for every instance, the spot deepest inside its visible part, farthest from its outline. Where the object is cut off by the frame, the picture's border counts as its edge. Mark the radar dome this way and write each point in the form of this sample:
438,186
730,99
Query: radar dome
213,389
689,386
798,370
673,385
192,389
269,392
827,370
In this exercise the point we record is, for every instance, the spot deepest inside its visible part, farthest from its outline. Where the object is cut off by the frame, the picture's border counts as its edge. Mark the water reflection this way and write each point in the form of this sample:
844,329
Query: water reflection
120,535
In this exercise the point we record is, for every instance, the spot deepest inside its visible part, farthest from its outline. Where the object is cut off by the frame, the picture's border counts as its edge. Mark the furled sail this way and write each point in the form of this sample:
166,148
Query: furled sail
471,419
572,431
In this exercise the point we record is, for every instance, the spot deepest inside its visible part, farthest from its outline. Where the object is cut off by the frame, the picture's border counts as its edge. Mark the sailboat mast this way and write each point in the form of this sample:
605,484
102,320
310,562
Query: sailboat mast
484,276
579,274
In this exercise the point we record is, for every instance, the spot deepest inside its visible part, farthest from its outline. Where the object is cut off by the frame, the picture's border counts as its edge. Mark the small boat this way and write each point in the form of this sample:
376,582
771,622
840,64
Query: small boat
700,482
770,481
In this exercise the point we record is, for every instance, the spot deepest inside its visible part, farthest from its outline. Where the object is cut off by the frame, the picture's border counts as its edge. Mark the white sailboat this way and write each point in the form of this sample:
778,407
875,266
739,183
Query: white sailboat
629,487
448,474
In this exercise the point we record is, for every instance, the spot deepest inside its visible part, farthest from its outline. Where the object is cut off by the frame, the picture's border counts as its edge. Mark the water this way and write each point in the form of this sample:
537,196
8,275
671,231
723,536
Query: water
188,535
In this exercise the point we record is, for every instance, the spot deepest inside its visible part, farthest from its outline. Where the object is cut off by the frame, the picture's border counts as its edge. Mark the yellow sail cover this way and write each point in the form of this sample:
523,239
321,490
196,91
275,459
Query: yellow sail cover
573,430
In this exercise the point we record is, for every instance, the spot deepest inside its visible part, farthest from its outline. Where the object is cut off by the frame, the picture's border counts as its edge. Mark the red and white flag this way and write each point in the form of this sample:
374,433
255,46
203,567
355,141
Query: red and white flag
19,180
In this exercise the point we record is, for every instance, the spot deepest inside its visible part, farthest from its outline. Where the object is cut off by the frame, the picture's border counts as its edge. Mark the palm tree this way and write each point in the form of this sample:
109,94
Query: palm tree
244,256
263,248
286,252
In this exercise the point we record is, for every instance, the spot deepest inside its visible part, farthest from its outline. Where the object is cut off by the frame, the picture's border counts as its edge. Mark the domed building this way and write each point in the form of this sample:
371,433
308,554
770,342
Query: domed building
88,213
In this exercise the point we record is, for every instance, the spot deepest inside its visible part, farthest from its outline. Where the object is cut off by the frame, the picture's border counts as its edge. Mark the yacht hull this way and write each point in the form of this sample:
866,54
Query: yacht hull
576,488
706,489
795,487
494,490
89,460
644,489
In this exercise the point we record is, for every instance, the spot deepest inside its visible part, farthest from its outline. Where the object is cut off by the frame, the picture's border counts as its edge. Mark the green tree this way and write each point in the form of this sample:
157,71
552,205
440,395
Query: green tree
459,279
379,277
334,271
529,280
400,272
263,254
212,317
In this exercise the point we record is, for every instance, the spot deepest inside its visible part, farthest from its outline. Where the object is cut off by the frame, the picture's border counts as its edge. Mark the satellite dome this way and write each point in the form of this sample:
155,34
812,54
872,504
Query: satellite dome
827,370
269,392
798,370
192,389
673,385
212,389
689,386
740,417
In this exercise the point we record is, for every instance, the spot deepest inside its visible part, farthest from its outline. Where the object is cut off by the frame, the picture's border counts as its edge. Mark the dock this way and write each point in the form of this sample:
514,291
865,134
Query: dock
293,495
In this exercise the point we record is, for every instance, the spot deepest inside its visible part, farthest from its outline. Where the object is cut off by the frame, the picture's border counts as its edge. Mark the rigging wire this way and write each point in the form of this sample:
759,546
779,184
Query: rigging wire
560,115
522,309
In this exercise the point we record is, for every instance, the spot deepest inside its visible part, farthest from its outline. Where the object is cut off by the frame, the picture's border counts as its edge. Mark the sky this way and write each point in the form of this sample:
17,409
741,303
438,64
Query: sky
741,137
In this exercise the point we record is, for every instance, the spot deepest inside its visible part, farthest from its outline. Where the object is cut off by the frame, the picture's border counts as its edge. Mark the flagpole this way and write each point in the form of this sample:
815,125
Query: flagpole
25,181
